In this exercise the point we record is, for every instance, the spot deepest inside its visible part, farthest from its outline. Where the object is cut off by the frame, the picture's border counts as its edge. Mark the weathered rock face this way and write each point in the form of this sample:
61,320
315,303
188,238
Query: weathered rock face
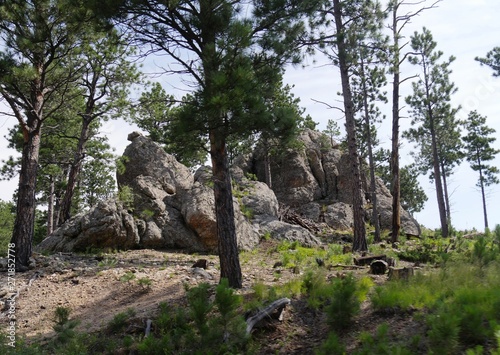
316,182
169,207
107,225
166,206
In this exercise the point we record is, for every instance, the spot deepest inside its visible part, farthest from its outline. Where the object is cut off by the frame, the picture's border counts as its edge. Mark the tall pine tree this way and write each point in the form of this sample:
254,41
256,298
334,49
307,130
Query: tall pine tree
478,144
232,54
432,115
37,36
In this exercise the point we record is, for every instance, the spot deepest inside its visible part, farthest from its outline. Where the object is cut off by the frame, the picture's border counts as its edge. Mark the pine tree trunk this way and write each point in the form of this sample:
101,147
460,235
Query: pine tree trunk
267,164
74,171
395,183
481,183
446,195
373,186
437,179
50,208
224,212
24,225
359,242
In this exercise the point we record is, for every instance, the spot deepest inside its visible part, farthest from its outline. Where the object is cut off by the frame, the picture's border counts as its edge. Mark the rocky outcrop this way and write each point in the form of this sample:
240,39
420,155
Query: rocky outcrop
316,181
161,204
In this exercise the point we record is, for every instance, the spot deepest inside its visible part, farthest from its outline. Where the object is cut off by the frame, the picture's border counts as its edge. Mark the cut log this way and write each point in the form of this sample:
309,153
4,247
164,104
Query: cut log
378,267
277,306
351,267
367,260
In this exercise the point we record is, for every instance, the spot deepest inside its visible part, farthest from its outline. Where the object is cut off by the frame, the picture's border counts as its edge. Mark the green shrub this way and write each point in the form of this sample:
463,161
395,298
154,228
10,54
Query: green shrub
344,303
210,326
145,283
64,327
379,344
126,196
108,262
332,345
443,333
128,276
120,320
484,251
316,288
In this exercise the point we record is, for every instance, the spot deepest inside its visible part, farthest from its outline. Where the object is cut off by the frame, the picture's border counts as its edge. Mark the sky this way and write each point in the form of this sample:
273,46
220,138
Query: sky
462,28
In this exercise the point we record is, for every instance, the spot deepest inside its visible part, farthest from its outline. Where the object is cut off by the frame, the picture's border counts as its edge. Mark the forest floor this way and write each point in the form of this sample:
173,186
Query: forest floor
97,287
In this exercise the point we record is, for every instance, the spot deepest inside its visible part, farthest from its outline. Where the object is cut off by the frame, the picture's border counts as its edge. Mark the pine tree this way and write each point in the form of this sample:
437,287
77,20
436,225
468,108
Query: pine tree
367,82
38,35
399,21
233,62
354,21
478,144
430,107
492,60
105,79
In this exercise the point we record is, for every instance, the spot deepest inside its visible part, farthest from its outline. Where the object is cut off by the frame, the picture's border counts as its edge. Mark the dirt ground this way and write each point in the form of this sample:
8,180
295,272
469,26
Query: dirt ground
95,288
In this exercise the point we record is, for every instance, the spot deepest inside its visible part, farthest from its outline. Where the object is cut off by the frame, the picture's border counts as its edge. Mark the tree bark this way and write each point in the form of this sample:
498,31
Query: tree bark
267,163
50,208
359,242
24,225
224,212
373,186
75,170
446,195
395,183
481,184
437,179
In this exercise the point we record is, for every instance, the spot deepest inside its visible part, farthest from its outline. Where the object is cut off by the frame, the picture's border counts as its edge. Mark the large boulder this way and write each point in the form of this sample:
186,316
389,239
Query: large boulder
276,229
107,225
409,225
339,216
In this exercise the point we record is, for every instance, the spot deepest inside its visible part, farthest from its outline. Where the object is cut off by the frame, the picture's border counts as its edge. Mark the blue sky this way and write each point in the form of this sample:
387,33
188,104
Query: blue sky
464,29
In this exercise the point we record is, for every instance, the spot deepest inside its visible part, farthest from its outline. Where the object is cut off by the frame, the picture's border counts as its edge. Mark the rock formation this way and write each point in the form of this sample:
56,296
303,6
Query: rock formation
163,205
316,182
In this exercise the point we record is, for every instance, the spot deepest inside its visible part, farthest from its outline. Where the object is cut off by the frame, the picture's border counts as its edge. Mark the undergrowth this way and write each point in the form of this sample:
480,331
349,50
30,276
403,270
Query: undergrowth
454,304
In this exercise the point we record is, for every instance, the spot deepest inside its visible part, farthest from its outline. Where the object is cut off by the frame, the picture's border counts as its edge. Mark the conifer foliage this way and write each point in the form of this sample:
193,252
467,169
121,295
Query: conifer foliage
479,150
232,54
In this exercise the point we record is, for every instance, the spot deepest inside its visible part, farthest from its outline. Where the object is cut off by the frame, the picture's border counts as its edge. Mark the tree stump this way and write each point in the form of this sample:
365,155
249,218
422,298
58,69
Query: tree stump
400,273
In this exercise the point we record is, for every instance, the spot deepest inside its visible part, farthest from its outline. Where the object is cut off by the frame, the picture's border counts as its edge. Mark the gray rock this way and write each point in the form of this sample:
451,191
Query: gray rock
339,216
312,211
284,231
198,210
259,198
107,225
169,207
319,175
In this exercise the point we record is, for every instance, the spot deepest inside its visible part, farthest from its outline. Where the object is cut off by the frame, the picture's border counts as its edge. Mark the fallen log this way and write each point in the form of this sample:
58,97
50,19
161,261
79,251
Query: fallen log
277,305
367,260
